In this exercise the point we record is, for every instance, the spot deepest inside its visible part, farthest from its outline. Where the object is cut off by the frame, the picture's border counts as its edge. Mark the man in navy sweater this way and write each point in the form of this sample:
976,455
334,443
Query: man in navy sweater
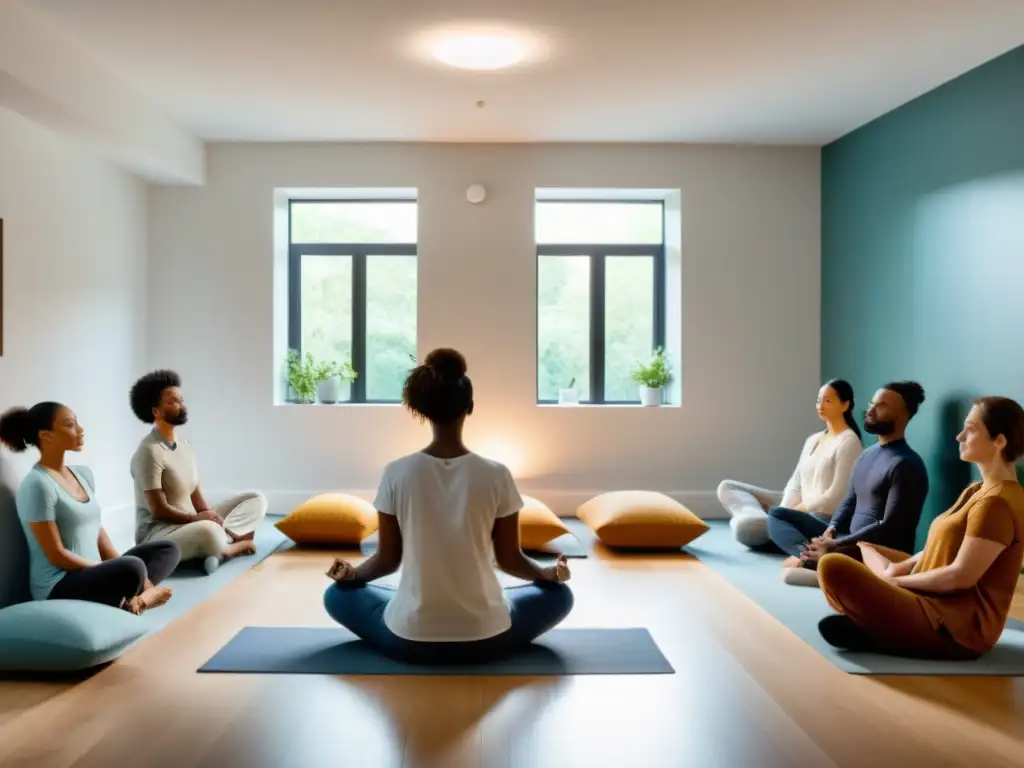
883,506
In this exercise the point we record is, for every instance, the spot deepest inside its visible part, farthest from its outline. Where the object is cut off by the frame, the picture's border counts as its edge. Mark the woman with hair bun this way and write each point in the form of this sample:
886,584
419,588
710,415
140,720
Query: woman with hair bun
445,515
70,555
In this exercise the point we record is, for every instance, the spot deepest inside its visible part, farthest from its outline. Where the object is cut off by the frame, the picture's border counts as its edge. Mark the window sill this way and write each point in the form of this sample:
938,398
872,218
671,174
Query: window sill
287,404
605,406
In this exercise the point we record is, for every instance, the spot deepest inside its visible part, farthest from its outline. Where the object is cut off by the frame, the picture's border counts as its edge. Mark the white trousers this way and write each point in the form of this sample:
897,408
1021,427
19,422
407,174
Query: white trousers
203,538
748,505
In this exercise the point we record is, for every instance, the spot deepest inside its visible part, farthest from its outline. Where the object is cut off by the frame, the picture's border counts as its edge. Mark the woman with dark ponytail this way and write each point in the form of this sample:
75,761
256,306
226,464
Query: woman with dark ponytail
821,478
70,555
445,515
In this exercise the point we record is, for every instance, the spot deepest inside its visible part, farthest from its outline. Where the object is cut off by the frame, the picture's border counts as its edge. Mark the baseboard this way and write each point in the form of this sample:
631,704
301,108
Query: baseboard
704,504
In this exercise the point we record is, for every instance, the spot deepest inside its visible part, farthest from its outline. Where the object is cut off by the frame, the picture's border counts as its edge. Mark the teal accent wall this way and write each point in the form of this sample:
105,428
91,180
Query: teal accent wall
923,257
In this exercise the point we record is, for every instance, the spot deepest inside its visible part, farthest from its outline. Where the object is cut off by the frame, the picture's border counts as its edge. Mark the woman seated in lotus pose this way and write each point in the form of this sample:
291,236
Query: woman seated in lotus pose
821,478
951,600
70,555
445,515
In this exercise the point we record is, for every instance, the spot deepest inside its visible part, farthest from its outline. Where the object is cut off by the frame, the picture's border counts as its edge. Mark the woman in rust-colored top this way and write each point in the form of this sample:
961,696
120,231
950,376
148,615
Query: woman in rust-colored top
951,600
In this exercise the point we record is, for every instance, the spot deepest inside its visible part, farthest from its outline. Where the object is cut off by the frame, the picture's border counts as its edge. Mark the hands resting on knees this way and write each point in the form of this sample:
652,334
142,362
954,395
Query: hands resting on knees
342,570
209,514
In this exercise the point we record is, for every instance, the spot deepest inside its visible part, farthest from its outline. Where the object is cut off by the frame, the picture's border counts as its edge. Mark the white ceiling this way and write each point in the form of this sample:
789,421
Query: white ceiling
747,71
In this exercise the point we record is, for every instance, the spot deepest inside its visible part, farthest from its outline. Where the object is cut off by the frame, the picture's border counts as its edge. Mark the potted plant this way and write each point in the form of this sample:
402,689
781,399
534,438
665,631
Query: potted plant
332,376
653,377
569,395
303,376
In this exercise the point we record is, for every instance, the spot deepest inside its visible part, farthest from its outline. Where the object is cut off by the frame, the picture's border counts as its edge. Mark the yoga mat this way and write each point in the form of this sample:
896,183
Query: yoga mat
569,544
574,544
336,651
192,585
757,575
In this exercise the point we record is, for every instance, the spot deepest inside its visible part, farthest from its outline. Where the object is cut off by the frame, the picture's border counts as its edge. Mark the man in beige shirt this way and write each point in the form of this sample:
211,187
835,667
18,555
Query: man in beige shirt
169,505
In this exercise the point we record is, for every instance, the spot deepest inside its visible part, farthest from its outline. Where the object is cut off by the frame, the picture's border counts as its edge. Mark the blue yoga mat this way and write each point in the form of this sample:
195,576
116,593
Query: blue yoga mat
336,651
757,575
193,586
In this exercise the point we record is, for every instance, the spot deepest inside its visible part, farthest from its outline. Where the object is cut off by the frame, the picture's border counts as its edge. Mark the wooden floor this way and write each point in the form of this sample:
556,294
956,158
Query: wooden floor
746,693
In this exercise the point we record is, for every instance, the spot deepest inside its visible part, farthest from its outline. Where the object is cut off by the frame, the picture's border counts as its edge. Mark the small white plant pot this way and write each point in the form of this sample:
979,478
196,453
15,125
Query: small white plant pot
568,397
650,397
329,390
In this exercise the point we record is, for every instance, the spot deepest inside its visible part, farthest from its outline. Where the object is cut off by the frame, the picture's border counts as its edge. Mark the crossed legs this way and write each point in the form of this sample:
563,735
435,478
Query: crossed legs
129,581
876,616
206,540
748,505
534,609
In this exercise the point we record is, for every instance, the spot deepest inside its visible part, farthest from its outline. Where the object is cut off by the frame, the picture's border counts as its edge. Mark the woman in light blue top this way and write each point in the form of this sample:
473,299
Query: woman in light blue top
70,555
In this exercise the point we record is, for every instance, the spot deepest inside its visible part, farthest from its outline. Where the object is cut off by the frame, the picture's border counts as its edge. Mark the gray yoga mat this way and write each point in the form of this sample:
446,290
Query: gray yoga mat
758,576
336,651
574,544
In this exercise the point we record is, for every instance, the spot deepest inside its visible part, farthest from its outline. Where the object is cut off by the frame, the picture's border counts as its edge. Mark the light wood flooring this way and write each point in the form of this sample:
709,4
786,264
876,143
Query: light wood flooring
746,693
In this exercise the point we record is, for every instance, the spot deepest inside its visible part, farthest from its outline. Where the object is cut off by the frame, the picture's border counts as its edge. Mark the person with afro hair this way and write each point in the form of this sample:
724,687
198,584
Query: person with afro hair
446,515
169,504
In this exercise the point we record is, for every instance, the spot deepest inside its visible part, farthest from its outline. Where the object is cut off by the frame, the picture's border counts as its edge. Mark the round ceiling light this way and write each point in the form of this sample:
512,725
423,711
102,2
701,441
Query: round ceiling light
479,51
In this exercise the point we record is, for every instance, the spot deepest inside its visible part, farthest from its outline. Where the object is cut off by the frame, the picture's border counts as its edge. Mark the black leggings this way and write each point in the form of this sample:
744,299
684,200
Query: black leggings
122,578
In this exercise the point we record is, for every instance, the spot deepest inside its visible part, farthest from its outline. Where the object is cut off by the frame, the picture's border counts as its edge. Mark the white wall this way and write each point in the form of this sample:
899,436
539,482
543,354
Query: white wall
750,317
74,293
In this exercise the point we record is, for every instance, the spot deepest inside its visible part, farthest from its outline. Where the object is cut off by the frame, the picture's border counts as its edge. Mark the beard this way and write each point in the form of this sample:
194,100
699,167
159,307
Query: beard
881,428
178,418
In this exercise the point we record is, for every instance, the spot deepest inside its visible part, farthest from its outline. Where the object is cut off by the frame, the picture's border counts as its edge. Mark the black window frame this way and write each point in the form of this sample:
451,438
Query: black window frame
598,253
359,253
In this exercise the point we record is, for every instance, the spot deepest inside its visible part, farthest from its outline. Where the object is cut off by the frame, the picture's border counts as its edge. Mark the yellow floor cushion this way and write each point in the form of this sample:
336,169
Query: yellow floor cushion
641,520
538,524
330,518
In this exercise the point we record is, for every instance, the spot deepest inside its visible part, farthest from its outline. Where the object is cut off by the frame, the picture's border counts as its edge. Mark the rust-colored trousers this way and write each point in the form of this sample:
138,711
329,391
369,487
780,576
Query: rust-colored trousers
892,617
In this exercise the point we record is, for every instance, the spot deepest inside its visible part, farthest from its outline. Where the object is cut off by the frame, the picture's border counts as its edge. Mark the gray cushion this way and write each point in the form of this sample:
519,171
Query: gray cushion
13,550
750,530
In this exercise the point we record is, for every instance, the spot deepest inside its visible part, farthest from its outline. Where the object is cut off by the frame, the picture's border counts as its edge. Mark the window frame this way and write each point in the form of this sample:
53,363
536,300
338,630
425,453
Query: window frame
358,252
598,253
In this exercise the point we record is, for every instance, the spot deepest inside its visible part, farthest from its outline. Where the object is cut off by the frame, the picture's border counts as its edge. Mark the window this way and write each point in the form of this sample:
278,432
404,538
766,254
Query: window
600,296
352,290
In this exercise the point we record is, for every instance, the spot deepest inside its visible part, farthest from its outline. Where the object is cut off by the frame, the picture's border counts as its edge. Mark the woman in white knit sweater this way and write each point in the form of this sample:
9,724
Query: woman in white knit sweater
821,478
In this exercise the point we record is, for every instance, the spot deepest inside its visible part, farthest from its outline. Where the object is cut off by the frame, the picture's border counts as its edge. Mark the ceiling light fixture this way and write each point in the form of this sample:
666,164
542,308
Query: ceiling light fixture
479,51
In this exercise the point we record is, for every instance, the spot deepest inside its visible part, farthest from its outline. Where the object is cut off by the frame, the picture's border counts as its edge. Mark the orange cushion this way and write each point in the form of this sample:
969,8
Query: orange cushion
538,524
640,520
330,518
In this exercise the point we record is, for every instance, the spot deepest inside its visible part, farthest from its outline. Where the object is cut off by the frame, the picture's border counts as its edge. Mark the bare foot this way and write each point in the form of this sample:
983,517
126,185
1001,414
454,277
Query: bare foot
239,548
155,597
792,562
150,598
235,537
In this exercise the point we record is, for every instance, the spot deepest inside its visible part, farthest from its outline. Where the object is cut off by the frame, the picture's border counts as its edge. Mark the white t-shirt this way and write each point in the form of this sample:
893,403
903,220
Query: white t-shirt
446,508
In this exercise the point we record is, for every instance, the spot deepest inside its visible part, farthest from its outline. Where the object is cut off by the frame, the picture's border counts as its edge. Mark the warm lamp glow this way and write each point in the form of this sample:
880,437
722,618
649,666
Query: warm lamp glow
478,51
504,451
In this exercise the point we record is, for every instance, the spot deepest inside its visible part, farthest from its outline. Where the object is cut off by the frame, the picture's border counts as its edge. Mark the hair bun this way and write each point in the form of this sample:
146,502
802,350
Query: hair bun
16,428
446,363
